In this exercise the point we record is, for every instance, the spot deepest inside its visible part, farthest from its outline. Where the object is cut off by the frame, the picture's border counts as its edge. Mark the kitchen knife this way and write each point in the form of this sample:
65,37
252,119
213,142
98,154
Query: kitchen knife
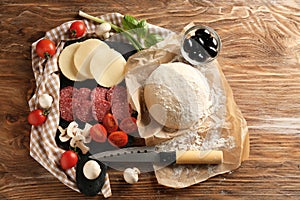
150,155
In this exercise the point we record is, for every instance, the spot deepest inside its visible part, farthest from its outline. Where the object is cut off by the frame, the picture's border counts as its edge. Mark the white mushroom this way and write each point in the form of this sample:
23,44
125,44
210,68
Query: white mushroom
72,129
78,141
69,132
78,137
102,29
45,101
86,133
63,134
91,170
131,175
84,149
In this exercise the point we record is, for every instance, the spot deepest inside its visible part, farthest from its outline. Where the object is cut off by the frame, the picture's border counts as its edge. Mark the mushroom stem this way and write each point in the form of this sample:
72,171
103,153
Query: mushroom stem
84,149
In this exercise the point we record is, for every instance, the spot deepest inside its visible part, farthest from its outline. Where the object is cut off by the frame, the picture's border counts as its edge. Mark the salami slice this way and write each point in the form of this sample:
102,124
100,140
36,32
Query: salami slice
128,125
100,108
83,94
109,94
120,106
65,108
68,92
121,110
119,94
98,93
83,110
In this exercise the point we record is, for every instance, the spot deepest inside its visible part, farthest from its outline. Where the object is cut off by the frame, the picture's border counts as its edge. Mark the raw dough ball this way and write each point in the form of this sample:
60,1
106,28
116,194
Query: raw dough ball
177,95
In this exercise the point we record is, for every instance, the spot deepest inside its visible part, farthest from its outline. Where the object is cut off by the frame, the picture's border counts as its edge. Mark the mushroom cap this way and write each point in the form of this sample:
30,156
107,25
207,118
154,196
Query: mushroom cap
76,138
72,128
63,134
91,170
131,175
45,101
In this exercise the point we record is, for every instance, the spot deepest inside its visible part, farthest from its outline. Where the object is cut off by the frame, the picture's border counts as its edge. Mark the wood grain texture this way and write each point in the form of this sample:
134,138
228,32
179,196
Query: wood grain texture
261,61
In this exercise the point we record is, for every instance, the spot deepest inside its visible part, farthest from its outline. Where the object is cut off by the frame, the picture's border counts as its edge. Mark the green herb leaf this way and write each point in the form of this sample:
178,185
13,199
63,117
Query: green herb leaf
142,24
152,39
132,29
129,22
142,29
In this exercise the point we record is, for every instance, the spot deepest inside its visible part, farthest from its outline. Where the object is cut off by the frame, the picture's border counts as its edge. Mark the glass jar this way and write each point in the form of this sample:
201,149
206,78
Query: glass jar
200,44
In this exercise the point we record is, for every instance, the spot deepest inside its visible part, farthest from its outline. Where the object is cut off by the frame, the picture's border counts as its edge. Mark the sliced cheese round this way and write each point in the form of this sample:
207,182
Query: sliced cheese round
91,170
84,53
66,63
107,67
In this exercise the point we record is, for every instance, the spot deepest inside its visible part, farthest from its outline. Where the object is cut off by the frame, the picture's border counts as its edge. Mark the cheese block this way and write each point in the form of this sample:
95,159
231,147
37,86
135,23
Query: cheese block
177,95
84,53
66,63
107,67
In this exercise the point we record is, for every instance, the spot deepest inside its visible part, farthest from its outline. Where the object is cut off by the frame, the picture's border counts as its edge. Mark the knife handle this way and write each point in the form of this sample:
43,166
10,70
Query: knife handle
199,157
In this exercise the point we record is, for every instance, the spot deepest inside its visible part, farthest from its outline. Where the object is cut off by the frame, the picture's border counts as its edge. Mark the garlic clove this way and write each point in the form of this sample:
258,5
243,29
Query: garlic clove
105,35
45,101
131,175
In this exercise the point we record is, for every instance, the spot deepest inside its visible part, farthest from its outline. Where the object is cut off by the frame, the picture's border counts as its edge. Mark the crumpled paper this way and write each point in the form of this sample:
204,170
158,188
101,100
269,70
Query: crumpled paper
224,128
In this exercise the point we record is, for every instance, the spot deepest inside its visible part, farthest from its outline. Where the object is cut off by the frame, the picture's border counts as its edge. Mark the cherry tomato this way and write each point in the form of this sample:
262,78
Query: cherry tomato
118,139
98,133
77,29
45,48
128,125
37,117
68,159
110,123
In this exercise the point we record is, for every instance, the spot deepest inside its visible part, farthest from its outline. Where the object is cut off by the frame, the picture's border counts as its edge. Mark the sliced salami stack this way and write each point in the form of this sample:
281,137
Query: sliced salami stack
87,105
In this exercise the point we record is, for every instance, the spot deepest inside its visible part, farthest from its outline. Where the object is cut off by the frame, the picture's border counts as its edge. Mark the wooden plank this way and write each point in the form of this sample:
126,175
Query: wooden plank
260,59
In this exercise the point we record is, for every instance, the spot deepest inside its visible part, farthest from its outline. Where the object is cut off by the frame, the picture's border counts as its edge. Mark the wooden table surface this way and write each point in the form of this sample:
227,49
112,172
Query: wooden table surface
260,59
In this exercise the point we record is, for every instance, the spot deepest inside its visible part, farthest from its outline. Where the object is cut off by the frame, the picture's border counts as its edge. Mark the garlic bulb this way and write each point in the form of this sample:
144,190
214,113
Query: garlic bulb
131,175
45,101
103,28
105,35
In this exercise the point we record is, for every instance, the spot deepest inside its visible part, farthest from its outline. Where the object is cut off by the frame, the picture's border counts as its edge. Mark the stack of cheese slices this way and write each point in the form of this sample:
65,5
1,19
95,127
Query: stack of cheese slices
92,59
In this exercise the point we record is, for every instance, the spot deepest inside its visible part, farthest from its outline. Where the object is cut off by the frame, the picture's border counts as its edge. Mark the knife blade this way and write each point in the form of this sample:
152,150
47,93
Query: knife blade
150,155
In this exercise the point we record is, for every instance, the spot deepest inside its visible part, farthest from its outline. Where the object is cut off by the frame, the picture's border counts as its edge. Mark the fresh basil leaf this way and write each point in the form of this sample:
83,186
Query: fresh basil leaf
142,24
152,39
129,22
142,30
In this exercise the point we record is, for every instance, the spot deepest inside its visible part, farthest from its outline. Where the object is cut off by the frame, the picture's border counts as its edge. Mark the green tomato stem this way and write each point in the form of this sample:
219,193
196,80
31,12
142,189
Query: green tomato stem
47,55
46,112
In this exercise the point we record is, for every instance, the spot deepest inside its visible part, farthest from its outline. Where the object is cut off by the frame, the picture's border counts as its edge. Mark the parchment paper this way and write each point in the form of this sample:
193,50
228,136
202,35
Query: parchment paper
223,129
